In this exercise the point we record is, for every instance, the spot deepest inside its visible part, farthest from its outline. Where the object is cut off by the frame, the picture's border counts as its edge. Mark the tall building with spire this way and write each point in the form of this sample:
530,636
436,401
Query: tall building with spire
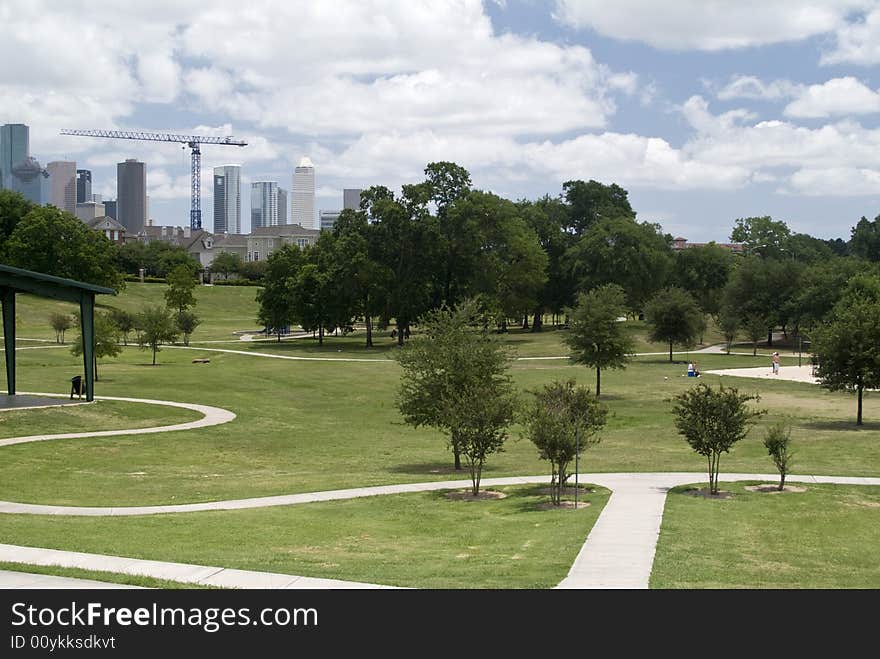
302,207
227,199
62,185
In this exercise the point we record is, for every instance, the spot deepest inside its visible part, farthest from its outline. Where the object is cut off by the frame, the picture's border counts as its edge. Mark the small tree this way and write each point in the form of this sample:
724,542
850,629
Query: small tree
755,327
155,326
181,284
675,318
60,322
226,263
712,421
562,422
728,322
106,339
597,339
124,321
777,441
186,322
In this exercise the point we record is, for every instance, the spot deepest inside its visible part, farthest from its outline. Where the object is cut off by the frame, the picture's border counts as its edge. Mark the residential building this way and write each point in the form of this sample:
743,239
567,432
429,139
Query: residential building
90,210
303,202
198,243
264,204
328,219
31,181
131,195
227,199
282,206
114,231
680,243
351,198
62,185
14,150
265,240
84,186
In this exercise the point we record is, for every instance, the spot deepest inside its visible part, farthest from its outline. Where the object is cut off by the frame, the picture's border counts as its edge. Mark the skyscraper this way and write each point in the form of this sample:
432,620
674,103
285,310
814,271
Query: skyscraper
282,206
264,204
227,199
351,198
110,208
131,195
31,180
14,150
83,186
62,185
303,205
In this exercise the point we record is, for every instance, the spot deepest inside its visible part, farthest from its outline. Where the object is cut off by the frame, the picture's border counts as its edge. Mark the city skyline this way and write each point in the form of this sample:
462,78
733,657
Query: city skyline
769,111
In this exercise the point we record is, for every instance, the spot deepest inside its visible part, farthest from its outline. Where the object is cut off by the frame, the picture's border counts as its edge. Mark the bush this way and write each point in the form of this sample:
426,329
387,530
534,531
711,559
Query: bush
147,280
237,282
777,441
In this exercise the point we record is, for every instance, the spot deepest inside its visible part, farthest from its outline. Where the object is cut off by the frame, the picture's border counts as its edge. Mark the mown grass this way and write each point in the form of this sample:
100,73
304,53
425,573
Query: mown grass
826,537
420,540
96,575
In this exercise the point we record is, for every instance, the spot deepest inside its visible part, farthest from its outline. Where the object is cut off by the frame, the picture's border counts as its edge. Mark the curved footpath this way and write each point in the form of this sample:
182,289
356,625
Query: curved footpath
618,552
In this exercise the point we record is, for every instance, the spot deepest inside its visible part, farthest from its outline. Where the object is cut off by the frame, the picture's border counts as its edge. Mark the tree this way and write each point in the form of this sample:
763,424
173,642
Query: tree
276,297
712,421
106,339
253,270
123,320
181,284
634,255
865,239
703,272
728,323
226,263
755,326
60,322
761,236
777,441
592,202
186,322
456,356
848,346
597,338
155,326
562,421
56,243
674,317
13,207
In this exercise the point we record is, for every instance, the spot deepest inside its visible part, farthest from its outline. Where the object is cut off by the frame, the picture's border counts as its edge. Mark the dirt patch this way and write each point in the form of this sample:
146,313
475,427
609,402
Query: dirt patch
467,495
704,493
774,488
564,504
568,491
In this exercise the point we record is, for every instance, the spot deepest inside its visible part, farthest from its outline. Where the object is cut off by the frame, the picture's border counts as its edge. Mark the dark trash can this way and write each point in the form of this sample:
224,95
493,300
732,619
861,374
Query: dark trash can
76,386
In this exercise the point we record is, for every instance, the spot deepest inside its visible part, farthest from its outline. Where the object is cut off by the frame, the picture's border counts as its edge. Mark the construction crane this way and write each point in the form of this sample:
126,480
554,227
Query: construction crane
192,141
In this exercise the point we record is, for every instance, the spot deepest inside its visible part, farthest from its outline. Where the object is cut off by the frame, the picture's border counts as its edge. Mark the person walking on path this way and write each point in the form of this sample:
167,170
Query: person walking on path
775,363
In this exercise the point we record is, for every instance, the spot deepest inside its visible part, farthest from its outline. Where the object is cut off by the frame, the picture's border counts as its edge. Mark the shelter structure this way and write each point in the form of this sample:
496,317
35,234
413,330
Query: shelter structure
17,280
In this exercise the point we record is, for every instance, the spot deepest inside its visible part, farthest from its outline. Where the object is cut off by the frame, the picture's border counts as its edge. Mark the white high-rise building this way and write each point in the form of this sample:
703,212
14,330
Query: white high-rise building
62,185
227,199
302,206
264,204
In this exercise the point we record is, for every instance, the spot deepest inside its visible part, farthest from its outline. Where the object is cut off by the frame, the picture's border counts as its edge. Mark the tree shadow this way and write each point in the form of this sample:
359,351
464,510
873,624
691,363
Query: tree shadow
431,469
841,425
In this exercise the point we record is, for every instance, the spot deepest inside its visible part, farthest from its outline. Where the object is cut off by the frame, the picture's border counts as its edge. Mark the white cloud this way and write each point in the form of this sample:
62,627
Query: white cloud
838,96
857,42
754,88
836,182
700,25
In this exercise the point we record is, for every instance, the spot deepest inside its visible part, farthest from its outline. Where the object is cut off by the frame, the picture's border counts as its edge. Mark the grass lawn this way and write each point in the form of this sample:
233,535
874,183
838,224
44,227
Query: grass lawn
826,537
94,575
99,415
419,540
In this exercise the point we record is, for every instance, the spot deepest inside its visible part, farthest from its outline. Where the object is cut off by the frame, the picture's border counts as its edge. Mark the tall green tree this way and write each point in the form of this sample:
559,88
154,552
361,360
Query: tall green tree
597,339
592,202
712,421
703,272
13,208
562,421
155,326
674,318
848,345
454,357
181,284
226,263
761,236
53,242
864,241
276,298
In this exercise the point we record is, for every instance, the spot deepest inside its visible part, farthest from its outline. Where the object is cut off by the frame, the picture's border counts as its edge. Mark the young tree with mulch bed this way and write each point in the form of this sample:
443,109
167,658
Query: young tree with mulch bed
562,421
712,421
777,441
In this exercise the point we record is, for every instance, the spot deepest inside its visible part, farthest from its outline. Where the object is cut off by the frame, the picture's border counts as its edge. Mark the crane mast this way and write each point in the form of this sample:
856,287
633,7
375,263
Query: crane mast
192,141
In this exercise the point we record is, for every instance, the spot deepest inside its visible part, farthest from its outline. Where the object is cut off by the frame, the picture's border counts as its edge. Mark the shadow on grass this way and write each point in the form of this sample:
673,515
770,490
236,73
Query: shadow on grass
841,425
432,469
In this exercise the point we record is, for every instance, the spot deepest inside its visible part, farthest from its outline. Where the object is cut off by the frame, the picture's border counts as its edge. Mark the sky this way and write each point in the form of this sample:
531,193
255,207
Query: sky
704,110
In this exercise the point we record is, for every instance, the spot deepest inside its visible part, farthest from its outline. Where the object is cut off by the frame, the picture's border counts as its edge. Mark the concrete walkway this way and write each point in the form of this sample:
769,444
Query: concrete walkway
212,416
28,580
790,373
618,552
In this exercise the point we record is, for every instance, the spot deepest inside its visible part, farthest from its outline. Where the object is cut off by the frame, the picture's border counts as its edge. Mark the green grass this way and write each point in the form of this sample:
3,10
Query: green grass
419,540
99,415
95,575
826,537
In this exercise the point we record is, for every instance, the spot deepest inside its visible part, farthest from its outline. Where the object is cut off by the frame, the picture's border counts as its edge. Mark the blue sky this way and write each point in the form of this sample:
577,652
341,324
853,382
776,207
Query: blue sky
704,111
